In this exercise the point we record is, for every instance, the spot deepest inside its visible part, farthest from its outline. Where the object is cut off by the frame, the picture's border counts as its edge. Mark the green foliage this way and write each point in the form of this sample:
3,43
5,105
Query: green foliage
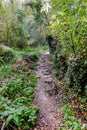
13,30
70,121
36,23
16,31
36,7
6,56
13,88
20,115
22,24
71,26
68,29
20,15
76,73
17,84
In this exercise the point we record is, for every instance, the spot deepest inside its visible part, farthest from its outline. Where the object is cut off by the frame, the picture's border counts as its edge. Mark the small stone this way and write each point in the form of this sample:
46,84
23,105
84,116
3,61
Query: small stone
46,73
38,76
46,124
48,81
35,128
42,66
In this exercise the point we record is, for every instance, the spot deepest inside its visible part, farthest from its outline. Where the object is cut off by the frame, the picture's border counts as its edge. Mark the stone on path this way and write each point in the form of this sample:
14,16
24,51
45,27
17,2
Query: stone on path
45,99
48,80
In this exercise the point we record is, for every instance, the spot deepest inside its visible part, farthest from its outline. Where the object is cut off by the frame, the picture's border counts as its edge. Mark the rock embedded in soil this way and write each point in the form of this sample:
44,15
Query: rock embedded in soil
49,81
48,117
46,73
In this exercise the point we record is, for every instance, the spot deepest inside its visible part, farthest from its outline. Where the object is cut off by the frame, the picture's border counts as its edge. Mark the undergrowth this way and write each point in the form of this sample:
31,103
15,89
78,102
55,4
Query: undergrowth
69,119
16,95
17,82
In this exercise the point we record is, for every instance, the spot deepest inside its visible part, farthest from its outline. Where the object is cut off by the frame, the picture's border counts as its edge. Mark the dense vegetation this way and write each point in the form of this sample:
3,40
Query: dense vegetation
29,24
68,45
18,33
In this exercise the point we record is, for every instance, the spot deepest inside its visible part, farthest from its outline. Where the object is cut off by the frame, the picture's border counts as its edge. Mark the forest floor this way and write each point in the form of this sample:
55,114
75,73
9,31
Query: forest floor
55,109
46,96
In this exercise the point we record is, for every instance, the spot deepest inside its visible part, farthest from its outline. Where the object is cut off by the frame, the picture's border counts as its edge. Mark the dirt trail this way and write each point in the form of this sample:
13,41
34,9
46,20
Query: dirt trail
46,97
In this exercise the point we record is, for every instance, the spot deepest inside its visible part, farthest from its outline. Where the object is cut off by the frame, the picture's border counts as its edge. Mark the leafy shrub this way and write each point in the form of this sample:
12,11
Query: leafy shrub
16,95
70,121
76,73
18,115
6,56
1,61
13,87
70,50
60,65
15,36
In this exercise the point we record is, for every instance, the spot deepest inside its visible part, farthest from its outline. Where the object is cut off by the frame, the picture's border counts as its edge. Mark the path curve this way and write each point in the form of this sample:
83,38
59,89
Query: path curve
45,96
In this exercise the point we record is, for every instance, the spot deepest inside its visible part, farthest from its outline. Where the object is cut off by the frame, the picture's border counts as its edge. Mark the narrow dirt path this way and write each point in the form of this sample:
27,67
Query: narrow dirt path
45,96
